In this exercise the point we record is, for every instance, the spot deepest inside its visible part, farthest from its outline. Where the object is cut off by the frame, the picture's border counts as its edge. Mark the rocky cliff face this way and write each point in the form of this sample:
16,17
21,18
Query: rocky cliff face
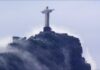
44,51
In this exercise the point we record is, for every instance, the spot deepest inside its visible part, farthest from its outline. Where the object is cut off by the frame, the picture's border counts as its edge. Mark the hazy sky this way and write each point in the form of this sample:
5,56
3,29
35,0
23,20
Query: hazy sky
80,18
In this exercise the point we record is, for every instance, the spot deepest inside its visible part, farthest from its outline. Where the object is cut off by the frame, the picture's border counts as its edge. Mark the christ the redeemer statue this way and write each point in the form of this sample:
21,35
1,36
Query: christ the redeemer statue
47,12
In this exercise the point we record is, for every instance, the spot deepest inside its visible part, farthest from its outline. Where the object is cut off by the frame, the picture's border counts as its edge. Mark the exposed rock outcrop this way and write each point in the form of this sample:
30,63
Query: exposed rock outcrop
44,51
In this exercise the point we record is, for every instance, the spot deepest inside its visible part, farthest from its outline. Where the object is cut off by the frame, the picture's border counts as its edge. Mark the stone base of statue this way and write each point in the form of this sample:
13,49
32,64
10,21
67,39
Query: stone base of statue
47,29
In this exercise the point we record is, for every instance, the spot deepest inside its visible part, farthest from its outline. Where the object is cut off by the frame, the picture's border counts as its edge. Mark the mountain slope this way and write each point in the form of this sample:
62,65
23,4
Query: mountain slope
45,51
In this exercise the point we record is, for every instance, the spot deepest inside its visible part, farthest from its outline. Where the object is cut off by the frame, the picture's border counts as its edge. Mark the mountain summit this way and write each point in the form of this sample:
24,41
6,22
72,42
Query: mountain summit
45,51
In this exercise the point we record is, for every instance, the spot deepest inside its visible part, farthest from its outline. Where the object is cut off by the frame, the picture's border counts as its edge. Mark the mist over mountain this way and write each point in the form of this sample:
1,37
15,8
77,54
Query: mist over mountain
47,50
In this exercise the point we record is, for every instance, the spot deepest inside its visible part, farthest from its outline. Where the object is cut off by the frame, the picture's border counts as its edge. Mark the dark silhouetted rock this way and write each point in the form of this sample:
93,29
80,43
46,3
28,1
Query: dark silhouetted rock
45,51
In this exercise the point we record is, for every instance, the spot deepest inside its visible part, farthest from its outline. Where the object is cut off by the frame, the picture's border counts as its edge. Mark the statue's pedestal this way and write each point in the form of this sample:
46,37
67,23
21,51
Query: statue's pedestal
47,29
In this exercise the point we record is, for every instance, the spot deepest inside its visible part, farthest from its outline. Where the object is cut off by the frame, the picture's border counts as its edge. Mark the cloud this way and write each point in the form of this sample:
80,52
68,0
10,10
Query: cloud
32,32
4,42
90,59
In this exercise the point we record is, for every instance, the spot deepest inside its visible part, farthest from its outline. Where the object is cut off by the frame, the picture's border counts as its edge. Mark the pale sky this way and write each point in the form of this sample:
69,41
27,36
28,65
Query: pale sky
79,18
